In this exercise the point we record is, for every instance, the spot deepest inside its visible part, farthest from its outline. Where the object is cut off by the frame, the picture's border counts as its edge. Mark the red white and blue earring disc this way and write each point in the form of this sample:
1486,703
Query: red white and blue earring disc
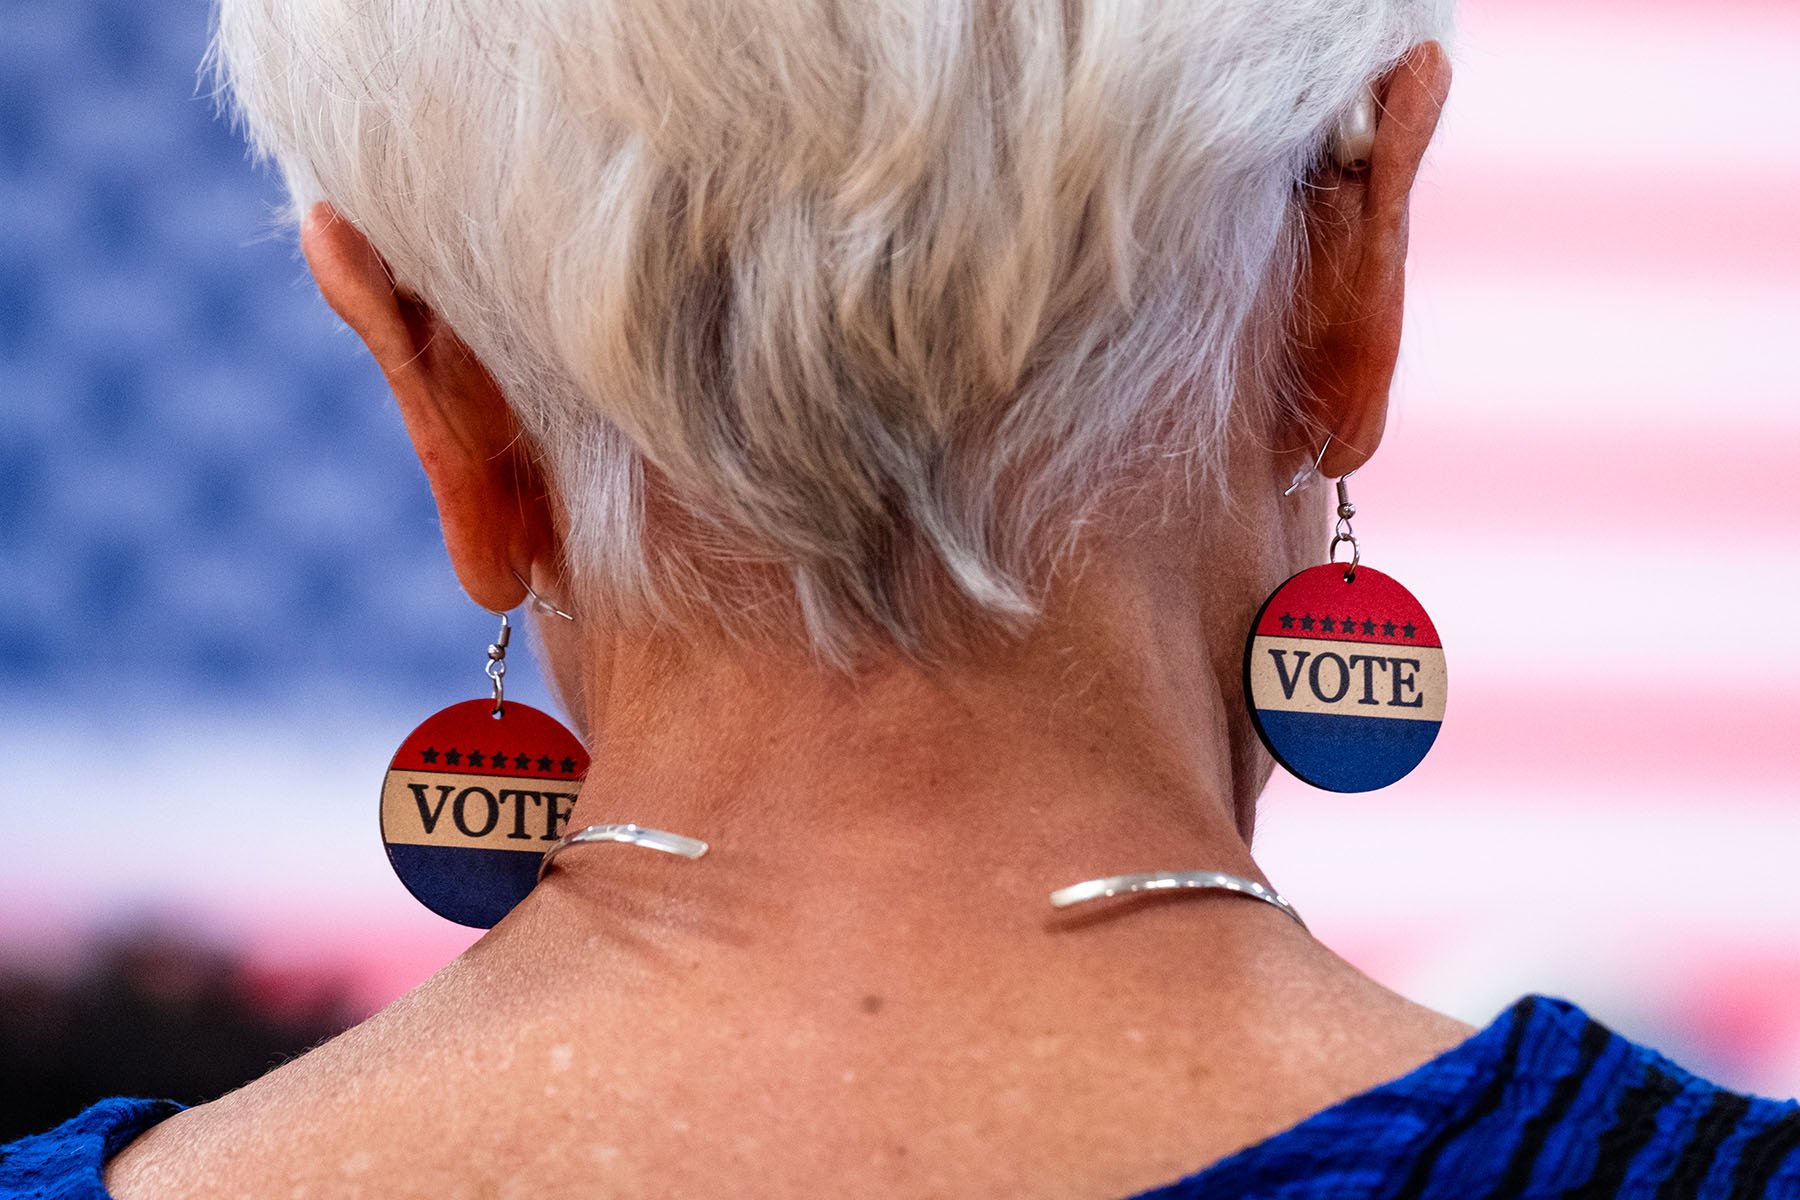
475,796
1344,673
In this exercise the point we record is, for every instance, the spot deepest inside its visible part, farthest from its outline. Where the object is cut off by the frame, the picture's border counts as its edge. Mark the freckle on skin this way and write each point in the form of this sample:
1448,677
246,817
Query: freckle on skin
871,1004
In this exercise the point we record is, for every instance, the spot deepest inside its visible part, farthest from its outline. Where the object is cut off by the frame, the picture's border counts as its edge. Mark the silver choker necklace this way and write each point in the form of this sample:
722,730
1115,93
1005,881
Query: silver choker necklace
1078,893
1166,881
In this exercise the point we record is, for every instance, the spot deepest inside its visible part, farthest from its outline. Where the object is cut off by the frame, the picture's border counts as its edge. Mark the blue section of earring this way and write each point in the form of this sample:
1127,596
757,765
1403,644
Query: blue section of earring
1345,754
470,887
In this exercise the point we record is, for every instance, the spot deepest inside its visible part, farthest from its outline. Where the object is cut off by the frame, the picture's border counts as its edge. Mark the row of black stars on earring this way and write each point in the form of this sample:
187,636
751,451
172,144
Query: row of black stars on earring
475,758
1348,625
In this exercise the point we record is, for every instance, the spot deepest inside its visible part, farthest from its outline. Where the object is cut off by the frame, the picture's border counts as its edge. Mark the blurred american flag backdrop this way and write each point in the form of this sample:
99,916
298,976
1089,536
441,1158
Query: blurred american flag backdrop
231,604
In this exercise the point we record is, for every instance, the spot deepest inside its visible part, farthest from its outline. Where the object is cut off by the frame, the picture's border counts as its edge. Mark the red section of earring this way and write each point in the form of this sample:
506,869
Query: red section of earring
473,798
1325,602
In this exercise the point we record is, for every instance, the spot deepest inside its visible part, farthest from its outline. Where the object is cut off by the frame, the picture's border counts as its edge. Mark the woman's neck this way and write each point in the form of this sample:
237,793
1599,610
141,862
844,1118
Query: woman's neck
1113,738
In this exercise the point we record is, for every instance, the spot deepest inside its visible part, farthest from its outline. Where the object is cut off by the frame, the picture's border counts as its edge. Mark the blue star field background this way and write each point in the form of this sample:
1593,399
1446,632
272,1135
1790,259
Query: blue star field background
206,496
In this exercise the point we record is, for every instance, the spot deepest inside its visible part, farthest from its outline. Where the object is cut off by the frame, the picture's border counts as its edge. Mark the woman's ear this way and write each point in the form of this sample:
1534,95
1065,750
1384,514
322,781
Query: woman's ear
1354,291
496,516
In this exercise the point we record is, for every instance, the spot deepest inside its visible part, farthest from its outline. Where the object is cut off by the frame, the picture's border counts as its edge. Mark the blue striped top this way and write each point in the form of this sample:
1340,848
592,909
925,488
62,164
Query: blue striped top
1544,1102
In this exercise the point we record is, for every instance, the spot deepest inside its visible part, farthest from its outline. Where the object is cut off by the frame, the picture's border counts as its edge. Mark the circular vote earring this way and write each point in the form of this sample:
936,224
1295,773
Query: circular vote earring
475,796
1343,669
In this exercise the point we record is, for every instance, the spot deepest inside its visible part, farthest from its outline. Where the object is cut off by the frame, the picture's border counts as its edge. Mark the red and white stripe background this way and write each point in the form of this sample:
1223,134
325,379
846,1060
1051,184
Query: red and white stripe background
1587,479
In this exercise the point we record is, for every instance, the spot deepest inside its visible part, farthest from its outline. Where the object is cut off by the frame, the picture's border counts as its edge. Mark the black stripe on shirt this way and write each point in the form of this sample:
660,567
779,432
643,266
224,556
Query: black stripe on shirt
1764,1152
1486,1103
1714,1126
1633,1128
1594,1038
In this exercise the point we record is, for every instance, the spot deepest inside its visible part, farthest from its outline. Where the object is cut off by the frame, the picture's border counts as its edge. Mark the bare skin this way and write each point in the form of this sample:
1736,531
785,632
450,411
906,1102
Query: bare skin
862,990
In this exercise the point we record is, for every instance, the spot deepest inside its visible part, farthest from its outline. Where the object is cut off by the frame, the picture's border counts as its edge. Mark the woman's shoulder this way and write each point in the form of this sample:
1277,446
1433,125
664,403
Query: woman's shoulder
1545,1100
68,1162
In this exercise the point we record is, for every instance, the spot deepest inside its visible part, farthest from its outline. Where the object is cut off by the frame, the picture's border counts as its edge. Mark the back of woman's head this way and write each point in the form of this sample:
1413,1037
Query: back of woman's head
888,294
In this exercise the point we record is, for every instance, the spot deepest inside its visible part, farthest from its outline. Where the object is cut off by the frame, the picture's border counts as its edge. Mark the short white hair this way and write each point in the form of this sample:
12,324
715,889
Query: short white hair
891,292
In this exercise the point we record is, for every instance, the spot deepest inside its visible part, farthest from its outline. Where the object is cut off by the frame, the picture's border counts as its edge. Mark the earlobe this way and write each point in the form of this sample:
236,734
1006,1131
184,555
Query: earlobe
491,498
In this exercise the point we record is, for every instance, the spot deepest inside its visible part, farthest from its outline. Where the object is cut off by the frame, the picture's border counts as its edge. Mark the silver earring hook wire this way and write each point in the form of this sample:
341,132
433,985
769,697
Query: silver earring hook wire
1305,475
496,651
496,664
537,603
1343,533
1345,510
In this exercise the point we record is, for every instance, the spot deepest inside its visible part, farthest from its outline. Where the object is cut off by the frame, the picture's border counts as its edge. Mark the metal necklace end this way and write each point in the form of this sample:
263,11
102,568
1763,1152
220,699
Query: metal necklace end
630,835
1163,881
